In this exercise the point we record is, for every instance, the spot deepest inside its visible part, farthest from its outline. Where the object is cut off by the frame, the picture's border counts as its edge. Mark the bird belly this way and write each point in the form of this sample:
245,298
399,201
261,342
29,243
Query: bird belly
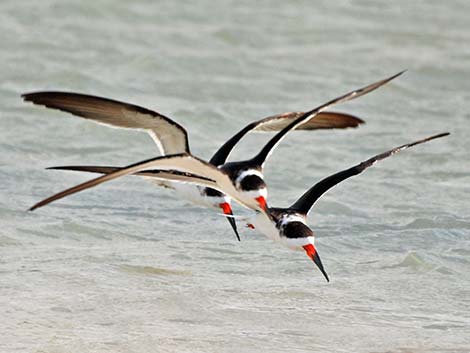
264,225
196,195
191,193
159,182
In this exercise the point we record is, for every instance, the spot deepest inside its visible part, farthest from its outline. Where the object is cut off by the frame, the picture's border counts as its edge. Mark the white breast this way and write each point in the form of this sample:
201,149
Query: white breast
269,229
264,225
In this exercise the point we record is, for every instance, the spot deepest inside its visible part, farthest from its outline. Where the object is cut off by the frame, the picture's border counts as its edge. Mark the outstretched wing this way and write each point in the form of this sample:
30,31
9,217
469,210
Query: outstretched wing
323,120
221,155
161,177
181,162
306,201
170,137
263,155
280,121
164,175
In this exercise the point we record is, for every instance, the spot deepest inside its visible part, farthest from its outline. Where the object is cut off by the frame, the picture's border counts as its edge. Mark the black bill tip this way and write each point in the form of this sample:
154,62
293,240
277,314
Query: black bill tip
233,223
317,260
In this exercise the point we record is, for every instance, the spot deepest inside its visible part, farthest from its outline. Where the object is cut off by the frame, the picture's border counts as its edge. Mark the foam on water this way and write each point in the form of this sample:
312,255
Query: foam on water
126,267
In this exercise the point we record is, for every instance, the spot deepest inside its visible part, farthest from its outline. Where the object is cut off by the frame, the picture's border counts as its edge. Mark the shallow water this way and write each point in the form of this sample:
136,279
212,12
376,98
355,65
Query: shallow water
127,267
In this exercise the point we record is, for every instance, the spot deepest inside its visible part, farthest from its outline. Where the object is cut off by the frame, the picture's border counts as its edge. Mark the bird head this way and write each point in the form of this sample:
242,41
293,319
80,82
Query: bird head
251,185
299,236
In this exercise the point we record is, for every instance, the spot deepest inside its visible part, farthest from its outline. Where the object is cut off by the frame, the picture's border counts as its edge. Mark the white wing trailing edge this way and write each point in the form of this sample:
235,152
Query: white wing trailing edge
170,137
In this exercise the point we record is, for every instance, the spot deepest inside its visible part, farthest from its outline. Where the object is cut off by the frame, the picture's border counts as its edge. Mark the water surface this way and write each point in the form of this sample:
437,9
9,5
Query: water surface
127,267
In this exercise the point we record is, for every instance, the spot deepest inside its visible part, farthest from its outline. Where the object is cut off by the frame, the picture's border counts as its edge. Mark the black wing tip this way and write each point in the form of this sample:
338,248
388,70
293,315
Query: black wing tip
65,167
32,208
353,121
27,96
398,74
359,121
392,77
442,134
432,137
40,204
402,72
35,97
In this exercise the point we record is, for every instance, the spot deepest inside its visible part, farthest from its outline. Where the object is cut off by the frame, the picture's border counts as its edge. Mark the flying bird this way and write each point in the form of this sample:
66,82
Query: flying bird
291,227
285,225
243,180
171,138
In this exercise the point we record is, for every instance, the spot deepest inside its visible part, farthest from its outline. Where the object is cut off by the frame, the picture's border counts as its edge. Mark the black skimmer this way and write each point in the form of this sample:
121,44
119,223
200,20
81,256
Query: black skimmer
285,225
291,227
171,138
247,176
243,181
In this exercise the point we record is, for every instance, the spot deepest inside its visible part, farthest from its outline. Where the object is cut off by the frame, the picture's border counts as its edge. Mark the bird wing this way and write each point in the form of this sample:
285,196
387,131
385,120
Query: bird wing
307,200
170,137
323,120
182,162
263,155
165,175
161,177
221,155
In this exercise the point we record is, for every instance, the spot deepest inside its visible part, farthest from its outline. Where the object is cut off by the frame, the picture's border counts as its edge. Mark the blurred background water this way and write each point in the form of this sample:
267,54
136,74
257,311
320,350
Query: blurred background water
128,267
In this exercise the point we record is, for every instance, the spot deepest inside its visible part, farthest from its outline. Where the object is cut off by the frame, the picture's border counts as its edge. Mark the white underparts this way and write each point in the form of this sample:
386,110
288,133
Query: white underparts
253,194
298,243
193,194
265,225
